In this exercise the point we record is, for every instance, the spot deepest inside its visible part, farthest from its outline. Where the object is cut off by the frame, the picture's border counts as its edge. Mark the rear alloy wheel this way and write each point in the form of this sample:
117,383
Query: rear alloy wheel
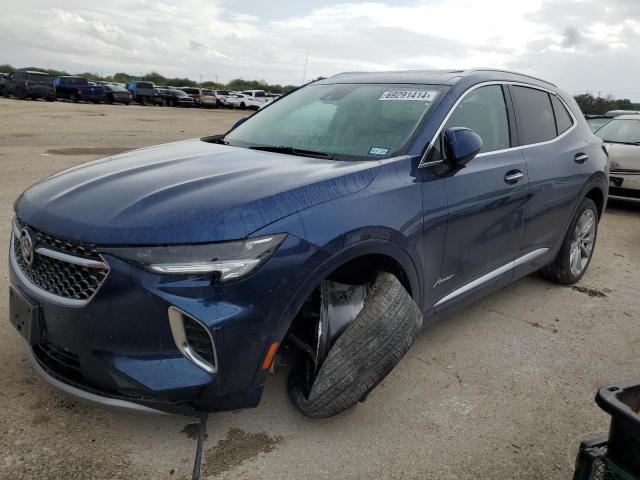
577,247
362,332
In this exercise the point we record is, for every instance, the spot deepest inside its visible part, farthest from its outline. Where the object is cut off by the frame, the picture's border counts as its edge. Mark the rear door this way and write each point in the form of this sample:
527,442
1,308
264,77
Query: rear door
486,200
557,165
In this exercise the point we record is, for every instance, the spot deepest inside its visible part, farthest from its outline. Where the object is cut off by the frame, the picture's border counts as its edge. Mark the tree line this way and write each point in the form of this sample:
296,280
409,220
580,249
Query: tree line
592,105
156,78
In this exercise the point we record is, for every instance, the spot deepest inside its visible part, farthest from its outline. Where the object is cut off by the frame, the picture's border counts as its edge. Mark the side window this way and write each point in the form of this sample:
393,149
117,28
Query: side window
536,122
484,111
563,119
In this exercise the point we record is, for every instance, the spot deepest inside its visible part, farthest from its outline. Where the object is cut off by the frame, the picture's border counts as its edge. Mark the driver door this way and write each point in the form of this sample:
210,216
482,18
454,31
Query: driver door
486,201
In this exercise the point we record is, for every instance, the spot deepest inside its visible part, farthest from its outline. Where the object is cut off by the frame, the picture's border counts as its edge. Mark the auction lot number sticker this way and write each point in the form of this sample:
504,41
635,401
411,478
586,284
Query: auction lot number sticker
402,95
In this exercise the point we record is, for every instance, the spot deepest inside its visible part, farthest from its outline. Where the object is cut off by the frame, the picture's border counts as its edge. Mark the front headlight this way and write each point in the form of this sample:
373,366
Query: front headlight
228,260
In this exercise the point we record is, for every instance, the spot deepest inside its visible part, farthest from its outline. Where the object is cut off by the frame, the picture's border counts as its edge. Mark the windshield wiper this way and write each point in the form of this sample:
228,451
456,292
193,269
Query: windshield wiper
293,151
215,139
622,143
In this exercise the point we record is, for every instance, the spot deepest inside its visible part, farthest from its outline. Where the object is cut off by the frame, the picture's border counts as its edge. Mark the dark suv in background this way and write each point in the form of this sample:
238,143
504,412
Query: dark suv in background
28,84
326,226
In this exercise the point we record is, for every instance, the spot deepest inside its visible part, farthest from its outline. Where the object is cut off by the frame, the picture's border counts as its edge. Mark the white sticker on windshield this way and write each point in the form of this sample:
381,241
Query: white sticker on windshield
378,151
420,95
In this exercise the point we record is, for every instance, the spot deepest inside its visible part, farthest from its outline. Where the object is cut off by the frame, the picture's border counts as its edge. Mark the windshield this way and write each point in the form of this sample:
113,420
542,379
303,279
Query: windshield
346,121
620,131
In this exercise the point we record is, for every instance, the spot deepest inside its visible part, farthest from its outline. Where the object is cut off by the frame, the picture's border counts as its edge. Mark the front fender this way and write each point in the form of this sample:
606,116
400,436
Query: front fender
338,258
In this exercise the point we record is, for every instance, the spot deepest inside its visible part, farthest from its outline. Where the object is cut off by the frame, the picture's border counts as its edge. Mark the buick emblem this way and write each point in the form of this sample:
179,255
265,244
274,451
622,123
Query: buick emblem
27,247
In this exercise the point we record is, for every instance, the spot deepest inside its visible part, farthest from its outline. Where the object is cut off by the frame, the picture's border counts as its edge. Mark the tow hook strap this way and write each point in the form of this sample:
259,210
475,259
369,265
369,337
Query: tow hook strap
201,438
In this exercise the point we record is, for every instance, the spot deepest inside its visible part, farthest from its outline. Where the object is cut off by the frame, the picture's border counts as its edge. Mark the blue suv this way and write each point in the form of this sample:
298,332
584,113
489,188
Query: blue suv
323,228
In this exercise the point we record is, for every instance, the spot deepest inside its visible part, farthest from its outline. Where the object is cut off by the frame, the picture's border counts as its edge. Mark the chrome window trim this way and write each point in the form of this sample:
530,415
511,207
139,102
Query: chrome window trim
180,339
472,285
423,164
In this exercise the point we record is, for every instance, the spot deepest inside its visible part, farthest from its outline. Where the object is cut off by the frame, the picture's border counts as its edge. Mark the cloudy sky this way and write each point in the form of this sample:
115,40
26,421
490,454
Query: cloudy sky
583,45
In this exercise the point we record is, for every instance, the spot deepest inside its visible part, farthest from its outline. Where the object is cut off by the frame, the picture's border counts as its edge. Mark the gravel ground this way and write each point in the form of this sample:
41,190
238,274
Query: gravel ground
502,389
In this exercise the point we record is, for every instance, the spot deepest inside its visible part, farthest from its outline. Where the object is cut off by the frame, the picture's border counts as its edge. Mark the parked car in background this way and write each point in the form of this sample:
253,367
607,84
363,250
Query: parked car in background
259,96
193,92
178,98
330,227
622,138
77,89
142,92
240,100
163,96
617,113
116,94
596,121
28,84
207,99
221,97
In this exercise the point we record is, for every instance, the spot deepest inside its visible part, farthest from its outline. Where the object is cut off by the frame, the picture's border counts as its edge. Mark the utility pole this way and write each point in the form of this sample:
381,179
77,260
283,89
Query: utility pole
306,61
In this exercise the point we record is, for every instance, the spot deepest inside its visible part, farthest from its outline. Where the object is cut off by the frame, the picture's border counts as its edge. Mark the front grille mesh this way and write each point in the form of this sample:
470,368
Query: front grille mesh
198,339
64,279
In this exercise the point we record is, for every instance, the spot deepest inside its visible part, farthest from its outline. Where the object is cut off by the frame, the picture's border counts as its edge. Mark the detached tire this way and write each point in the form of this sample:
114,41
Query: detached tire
580,234
364,354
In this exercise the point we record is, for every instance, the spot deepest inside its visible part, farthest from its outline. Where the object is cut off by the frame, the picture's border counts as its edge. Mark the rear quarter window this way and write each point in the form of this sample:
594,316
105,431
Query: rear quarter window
534,114
563,118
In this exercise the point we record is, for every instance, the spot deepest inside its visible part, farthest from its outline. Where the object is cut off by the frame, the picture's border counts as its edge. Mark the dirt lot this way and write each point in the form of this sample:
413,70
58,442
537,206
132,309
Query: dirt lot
503,389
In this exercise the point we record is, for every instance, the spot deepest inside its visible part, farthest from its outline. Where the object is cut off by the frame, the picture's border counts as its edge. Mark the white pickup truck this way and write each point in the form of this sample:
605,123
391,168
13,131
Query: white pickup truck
248,99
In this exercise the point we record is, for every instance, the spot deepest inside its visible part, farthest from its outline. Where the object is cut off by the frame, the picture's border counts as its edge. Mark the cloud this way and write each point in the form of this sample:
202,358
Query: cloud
580,44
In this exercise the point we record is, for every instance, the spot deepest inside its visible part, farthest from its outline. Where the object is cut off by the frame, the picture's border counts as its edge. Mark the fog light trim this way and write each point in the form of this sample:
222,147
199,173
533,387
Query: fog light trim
176,322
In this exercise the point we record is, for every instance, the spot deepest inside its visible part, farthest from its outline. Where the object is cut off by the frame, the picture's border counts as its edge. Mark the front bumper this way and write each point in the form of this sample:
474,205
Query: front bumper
625,183
122,348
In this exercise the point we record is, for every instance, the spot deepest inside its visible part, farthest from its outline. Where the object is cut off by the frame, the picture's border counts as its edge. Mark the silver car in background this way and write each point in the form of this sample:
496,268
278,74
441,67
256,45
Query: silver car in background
622,138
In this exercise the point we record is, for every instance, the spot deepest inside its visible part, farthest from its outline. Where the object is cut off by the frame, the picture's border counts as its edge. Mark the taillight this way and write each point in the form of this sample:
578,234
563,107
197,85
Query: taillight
79,90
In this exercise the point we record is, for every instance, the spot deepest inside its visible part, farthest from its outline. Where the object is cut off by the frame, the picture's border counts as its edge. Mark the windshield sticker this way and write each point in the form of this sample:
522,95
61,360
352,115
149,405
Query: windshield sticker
420,95
378,151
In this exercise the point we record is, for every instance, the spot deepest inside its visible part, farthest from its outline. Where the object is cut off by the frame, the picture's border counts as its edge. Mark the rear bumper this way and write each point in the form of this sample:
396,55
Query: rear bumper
624,184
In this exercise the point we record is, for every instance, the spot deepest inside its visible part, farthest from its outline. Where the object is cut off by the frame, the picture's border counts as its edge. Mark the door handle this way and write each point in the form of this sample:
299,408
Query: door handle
513,176
581,157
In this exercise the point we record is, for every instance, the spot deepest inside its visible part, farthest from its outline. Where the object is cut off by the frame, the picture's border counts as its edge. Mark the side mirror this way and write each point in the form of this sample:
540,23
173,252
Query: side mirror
461,145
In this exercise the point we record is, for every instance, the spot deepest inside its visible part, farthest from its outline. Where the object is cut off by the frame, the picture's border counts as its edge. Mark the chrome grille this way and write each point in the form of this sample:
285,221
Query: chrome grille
61,276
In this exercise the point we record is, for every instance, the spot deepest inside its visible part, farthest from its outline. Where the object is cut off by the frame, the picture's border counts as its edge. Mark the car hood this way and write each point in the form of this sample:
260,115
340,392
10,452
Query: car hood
623,157
184,192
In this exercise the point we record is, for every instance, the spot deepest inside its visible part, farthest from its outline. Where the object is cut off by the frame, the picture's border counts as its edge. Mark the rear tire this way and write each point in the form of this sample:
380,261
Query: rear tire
73,98
364,354
578,244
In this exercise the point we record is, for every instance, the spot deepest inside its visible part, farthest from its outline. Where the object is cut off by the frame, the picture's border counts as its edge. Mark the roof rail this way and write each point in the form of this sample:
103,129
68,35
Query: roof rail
474,70
432,71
